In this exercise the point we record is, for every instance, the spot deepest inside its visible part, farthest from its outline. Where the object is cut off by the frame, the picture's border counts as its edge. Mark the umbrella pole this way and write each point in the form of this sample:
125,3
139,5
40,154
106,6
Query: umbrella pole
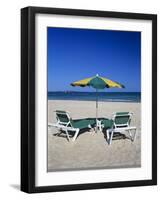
96,108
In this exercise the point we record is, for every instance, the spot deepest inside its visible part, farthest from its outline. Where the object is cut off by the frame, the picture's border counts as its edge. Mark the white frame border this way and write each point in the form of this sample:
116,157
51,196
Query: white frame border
91,176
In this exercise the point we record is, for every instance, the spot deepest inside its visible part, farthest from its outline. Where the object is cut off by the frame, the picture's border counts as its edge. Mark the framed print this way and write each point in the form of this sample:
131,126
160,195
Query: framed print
88,99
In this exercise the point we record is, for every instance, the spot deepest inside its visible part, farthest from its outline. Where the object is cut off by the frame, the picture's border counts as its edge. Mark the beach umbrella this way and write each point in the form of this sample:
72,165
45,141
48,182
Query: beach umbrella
98,83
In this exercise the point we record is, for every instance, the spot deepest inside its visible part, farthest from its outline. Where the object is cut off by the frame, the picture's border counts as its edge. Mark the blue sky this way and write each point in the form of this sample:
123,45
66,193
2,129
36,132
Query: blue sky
75,54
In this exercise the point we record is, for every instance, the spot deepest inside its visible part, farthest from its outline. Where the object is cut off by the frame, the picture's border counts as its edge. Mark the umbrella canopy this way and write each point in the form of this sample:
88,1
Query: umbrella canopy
98,82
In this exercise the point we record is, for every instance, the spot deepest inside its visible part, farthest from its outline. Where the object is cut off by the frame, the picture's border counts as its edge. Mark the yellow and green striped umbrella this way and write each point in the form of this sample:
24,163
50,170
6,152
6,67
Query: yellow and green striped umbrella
98,82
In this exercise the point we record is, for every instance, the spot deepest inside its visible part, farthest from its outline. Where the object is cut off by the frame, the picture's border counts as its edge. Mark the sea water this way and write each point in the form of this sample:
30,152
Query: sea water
92,96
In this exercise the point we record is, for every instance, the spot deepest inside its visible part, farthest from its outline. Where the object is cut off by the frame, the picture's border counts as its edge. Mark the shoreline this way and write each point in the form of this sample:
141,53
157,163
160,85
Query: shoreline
121,101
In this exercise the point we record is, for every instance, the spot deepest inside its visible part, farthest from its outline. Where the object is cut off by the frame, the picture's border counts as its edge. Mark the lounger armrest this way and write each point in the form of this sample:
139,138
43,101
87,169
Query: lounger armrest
52,124
124,128
61,126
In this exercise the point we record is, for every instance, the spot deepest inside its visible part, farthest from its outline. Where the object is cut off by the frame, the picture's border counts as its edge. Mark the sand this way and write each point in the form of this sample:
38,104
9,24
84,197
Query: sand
91,150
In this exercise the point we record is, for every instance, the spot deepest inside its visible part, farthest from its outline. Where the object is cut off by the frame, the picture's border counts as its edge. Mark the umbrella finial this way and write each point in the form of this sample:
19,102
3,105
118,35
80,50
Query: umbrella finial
97,75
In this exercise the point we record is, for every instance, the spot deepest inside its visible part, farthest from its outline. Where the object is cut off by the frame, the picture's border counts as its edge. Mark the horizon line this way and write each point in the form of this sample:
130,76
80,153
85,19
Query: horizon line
91,91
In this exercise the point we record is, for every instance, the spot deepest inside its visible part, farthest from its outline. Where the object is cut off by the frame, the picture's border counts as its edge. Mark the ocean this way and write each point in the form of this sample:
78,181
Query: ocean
91,96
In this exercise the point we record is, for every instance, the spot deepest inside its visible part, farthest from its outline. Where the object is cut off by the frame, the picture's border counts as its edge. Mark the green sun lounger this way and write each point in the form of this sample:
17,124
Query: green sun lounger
119,123
67,124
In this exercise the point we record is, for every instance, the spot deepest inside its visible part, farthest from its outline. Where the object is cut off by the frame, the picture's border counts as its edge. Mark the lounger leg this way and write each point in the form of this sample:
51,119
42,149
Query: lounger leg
133,139
67,135
90,129
108,135
75,135
130,134
134,134
111,138
99,126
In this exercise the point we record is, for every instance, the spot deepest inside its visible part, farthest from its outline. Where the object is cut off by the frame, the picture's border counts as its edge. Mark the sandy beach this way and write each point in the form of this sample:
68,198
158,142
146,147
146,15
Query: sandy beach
91,150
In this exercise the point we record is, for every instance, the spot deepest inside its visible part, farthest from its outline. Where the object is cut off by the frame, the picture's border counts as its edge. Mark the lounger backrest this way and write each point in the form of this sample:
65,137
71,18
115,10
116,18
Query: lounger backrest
122,118
62,116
